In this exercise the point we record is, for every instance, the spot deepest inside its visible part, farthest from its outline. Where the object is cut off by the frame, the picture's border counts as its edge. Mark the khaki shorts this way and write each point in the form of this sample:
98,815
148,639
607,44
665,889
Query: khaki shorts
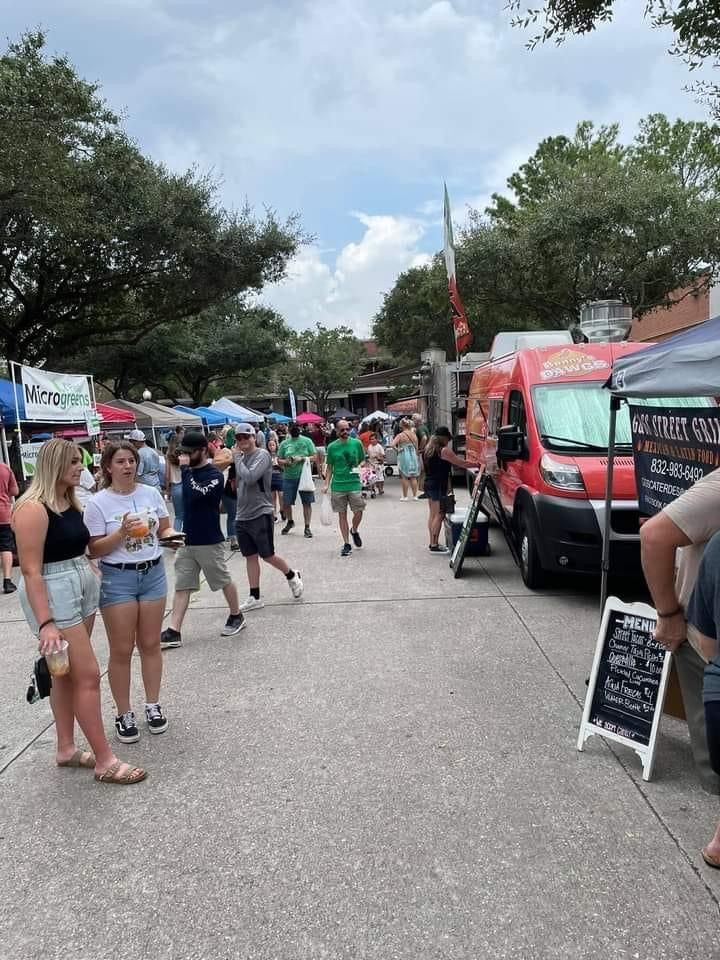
341,500
208,559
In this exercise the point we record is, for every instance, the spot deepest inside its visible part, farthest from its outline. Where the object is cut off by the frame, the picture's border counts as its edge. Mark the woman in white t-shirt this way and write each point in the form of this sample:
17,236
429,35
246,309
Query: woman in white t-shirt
126,520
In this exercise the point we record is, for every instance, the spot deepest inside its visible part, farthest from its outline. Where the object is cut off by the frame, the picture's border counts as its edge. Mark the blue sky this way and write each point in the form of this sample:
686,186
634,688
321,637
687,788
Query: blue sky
353,112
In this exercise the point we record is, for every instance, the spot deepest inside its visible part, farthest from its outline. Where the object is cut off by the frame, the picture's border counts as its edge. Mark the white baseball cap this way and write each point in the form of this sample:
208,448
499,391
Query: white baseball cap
135,435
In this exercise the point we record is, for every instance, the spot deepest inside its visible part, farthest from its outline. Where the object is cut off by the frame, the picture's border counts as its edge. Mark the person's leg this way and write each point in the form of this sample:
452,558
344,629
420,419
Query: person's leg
253,572
120,621
289,497
149,625
7,565
233,601
414,486
343,521
357,519
307,513
433,526
275,561
690,670
78,694
712,731
177,502
403,486
181,601
230,504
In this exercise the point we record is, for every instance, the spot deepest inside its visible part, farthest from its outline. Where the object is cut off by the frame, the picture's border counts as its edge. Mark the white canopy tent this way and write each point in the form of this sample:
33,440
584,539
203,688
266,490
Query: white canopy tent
238,413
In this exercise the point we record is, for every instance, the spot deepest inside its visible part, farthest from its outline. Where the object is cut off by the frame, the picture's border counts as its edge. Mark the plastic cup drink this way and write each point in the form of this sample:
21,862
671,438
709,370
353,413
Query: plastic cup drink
59,663
141,524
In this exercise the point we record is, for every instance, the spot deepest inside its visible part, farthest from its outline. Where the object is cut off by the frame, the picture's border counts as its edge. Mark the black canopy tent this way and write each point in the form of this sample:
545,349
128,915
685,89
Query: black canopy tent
686,365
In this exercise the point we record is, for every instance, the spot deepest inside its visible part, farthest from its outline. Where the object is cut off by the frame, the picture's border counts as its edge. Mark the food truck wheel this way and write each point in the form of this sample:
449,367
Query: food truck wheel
532,572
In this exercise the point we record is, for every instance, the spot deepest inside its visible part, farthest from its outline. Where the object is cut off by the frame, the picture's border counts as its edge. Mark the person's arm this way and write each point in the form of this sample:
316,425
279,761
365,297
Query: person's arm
282,460
328,475
194,493
259,469
660,538
13,489
101,542
447,454
140,465
30,524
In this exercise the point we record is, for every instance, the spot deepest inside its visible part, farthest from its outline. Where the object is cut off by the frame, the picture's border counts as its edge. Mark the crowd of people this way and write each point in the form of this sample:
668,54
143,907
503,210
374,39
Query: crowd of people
87,543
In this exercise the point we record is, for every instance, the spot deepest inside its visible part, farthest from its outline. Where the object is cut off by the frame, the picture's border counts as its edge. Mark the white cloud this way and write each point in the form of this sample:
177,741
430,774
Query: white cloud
350,291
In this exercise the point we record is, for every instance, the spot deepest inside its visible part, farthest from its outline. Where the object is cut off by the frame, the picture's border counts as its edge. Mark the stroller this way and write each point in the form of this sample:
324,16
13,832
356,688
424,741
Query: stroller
368,480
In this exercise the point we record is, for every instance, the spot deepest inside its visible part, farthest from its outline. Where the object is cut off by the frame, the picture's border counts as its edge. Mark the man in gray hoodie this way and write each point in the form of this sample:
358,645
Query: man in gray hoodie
254,518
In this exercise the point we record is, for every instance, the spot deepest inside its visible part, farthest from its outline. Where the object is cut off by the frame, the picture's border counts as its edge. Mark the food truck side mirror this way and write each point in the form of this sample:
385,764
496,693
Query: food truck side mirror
511,443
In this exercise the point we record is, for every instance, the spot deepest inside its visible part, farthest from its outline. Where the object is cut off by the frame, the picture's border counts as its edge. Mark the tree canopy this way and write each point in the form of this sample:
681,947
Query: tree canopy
585,218
695,23
324,361
98,243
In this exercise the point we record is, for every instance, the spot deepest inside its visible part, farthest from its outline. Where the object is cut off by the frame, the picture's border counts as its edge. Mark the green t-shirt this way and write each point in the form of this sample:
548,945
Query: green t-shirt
422,433
343,456
295,447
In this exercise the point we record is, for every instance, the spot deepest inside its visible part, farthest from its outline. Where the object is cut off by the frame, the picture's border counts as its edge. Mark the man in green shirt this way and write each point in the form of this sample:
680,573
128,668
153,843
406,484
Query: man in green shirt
342,478
292,454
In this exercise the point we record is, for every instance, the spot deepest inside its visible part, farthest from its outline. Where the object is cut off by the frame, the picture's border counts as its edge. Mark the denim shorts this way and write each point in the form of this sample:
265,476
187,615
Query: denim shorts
73,590
126,586
290,492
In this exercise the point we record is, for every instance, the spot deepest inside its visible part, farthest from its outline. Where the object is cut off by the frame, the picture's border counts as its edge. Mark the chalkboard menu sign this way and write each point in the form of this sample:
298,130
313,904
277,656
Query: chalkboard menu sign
627,685
483,484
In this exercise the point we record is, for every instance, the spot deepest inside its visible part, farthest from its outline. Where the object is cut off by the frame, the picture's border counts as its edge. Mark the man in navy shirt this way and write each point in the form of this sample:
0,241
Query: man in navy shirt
202,487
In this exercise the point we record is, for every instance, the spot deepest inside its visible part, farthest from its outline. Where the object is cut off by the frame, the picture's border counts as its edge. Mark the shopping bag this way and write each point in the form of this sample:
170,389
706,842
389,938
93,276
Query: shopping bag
306,484
326,512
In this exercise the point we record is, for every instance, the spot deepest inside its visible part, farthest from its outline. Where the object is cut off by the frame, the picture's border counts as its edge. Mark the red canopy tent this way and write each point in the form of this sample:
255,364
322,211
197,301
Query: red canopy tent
110,414
309,417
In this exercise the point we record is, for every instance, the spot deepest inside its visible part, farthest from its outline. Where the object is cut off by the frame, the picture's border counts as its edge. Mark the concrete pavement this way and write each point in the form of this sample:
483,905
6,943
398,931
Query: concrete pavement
384,770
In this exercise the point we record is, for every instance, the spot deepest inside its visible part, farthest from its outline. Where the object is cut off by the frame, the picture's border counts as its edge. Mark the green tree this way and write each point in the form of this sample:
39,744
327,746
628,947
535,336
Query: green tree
323,361
224,344
98,244
695,23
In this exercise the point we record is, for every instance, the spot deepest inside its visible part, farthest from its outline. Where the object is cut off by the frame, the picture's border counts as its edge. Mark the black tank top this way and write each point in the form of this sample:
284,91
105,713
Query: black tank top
437,471
67,536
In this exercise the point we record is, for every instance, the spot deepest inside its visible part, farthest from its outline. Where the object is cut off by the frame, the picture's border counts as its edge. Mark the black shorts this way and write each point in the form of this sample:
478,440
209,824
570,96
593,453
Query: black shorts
7,538
433,492
712,729
255,537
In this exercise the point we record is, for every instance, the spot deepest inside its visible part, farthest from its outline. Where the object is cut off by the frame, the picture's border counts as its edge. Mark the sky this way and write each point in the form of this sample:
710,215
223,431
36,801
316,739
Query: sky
352,113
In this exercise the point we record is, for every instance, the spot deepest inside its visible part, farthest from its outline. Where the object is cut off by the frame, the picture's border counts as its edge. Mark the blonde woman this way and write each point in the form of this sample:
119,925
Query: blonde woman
59,593
408,460
125,521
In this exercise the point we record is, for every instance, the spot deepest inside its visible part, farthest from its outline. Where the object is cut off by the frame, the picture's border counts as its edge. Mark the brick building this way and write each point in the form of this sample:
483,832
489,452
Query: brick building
662,322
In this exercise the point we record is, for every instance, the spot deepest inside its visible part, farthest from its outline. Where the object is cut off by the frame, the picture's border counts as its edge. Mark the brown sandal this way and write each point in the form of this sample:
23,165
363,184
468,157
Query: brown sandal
112,775
81,758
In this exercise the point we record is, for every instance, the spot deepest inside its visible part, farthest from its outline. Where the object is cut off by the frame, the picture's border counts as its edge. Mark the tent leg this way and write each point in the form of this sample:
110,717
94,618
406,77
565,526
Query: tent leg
614,407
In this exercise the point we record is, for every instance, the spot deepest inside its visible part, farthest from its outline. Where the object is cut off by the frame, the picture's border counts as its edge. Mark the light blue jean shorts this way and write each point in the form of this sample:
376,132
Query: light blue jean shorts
126,586
73,590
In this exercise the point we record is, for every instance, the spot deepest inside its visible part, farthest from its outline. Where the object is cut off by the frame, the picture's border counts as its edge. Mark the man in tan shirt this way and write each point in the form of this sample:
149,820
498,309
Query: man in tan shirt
673,542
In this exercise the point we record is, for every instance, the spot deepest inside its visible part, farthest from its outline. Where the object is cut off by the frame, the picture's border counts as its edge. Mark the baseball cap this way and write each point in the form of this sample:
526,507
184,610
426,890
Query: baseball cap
245,430
193,440
135,435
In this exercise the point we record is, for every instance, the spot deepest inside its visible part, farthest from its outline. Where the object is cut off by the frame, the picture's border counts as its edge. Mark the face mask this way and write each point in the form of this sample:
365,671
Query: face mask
294,432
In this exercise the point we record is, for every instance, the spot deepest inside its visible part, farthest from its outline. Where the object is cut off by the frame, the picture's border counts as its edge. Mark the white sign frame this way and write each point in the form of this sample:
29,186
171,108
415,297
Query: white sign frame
587,729
73,415
29,447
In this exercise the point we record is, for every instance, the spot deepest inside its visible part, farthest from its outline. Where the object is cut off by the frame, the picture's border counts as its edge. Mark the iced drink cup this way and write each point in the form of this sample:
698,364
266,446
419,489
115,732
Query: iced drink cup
59,663
141,523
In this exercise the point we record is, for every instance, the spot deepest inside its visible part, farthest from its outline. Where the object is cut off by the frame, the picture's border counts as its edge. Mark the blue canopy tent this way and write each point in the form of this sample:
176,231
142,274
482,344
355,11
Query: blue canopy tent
686,365
7,402
235,412
210,418
278,417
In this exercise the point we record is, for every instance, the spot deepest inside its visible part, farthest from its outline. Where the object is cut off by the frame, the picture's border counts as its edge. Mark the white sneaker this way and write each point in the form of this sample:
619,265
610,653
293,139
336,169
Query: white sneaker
251,604
296,585
416,498
403,499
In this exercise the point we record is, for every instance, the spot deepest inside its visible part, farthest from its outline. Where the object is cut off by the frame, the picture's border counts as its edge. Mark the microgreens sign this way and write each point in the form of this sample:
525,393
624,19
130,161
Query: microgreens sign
50,397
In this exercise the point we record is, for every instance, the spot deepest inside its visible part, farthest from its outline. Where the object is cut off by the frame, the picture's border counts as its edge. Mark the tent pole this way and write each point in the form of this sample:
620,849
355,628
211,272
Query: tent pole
614,407
5,451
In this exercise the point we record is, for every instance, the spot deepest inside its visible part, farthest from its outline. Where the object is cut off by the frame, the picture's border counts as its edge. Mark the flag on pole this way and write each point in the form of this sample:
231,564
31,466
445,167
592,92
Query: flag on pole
463,336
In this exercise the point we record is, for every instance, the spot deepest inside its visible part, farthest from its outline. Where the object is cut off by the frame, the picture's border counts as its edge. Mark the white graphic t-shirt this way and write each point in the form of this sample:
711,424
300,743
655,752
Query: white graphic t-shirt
104,514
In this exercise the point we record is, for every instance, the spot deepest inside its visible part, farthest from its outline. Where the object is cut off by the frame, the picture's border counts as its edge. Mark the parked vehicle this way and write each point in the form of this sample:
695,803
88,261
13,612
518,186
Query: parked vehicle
538,421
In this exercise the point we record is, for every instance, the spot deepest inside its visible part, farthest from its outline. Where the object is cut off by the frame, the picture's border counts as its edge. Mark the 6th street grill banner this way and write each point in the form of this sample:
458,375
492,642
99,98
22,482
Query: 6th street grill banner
55,397
673,447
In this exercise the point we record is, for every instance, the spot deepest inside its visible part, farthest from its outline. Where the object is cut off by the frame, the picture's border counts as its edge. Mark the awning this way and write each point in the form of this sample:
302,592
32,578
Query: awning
148,415
309,417
404,406
278,417
110,414
342,413
210,418
686,365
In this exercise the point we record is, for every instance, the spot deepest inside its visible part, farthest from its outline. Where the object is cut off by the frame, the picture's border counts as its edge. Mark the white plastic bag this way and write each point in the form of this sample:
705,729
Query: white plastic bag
306,484
326,512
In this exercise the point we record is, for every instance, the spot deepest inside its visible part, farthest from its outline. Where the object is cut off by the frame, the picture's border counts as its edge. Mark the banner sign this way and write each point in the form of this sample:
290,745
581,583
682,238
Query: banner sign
92,422
28,455
293,404
55,397
461,328
673,447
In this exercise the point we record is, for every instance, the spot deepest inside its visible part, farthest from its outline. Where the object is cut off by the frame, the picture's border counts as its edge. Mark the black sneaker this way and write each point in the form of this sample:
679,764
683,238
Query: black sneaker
126,728
9,586
288,527
156,722
308,533
234,545
234,624
356,538
346,550
170,638
438,548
